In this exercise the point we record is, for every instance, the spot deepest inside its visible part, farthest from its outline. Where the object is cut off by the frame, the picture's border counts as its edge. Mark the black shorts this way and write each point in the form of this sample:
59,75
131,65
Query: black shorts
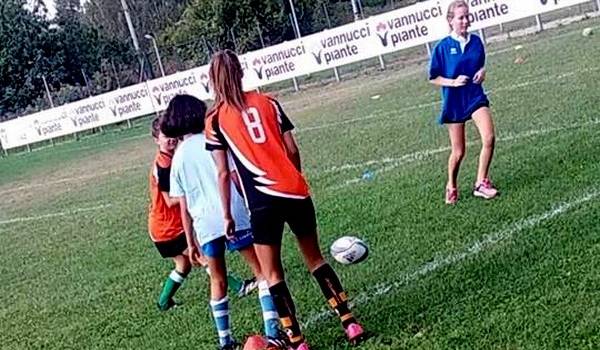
267,222
172,248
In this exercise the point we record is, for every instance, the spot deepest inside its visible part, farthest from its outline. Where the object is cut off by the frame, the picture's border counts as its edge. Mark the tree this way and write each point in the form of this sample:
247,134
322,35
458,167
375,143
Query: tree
84,47
150,16
33,47
238,24
28,51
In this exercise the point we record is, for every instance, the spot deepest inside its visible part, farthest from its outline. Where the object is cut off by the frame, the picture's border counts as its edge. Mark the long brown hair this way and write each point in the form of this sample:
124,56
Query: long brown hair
226,78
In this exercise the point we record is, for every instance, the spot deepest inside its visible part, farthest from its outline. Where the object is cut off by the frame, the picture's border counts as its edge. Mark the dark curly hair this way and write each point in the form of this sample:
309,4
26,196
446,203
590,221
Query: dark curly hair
184,115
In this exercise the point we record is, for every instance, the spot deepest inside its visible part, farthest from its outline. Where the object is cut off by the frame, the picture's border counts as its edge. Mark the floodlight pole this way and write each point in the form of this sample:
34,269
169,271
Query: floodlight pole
51,105
259,30
298,35
48,92
114,69
295,19
160,65
335,70
136,44
89,89
355,10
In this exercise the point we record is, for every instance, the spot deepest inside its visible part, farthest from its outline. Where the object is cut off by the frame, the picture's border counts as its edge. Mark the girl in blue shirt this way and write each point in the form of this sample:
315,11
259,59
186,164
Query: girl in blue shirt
457,65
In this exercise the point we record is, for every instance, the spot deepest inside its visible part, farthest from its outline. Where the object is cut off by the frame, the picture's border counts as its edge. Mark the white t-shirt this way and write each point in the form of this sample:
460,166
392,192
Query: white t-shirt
194,175
461,40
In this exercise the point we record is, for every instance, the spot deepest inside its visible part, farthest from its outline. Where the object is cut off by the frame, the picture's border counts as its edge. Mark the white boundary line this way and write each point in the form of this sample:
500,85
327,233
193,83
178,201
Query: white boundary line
475,248
392,163
92,146
52,215
375,115
69,179
420,70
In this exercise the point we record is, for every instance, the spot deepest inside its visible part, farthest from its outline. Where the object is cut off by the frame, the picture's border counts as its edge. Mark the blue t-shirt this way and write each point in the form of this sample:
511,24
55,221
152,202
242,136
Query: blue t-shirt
194,175
449,60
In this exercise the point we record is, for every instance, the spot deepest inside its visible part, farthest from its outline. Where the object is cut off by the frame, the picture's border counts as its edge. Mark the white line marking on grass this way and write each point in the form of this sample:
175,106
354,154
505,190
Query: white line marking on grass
328,125
92,146
69,179
485,243
393,163
52,215
375,115
544,80
396,112
515,35
391,78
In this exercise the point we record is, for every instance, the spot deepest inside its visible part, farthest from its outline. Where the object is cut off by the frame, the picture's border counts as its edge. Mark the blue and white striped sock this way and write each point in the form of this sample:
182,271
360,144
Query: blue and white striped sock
270,316
220,312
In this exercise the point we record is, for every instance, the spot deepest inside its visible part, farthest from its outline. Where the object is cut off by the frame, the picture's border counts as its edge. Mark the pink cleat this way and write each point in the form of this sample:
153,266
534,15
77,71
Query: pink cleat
303,346
355,333
451,196
485,189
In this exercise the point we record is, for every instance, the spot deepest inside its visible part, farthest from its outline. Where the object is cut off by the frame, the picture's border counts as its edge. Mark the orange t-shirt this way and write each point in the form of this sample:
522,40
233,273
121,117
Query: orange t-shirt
256,142
164,223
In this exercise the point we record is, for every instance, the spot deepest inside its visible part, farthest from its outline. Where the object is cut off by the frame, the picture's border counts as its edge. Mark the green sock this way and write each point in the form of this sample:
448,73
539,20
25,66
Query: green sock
233,282
172,283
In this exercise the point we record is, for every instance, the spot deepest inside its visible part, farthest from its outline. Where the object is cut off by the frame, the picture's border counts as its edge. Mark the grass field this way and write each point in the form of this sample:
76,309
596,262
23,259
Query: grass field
520,272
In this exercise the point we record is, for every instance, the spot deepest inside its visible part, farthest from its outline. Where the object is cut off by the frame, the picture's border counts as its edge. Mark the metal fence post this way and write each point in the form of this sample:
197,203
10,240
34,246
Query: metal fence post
296,27
482,35
381,62
335,70
51,104
538,20
429,49
89,90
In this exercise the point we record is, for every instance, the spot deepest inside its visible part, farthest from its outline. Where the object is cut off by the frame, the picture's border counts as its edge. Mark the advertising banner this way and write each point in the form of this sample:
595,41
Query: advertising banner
392,31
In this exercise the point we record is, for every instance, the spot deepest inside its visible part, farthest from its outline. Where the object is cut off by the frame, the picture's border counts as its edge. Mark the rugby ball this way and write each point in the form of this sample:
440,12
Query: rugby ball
349,250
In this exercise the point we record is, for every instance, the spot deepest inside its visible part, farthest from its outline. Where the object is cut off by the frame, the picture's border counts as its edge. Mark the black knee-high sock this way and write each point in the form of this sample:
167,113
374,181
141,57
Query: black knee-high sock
333,291
287,312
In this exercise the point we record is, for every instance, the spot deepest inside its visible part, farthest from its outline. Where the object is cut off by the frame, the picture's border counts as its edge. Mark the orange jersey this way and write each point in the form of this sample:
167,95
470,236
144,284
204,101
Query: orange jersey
164,223
255,138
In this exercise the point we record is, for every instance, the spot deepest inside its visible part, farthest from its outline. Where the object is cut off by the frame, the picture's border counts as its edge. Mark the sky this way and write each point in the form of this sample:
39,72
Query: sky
51,8
49,5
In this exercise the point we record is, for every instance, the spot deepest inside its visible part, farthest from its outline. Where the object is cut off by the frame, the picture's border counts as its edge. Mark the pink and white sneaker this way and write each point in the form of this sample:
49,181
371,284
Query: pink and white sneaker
485,189
303,346
355,333
451,196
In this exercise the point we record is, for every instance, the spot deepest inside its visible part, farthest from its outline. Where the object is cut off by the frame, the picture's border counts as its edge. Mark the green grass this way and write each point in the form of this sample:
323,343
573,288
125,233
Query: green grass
519,272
